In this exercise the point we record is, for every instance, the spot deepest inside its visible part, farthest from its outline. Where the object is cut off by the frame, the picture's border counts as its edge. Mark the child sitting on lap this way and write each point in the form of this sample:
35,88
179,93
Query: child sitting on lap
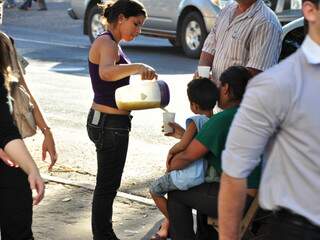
203,95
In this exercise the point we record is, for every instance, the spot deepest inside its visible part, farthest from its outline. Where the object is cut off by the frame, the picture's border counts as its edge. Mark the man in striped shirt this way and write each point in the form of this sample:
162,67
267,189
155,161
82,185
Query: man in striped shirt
247,33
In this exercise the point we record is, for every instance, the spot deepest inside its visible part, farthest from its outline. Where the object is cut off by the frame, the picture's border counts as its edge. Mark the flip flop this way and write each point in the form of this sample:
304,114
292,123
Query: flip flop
157,237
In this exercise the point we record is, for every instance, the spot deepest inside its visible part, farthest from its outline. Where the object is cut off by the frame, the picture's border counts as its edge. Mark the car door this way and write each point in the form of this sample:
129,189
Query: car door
161,14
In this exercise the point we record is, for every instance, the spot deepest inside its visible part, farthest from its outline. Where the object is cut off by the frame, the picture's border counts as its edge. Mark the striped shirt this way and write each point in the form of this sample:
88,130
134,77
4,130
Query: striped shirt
251,39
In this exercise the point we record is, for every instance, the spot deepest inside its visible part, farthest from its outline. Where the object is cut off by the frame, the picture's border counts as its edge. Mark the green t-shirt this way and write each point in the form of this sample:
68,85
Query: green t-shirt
214,134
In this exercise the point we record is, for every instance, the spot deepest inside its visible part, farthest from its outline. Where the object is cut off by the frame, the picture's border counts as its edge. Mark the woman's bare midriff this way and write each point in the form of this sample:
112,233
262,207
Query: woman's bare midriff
107,109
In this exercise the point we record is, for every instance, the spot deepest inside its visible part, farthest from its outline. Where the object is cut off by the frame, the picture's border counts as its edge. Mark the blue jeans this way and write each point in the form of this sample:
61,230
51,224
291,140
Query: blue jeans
110,134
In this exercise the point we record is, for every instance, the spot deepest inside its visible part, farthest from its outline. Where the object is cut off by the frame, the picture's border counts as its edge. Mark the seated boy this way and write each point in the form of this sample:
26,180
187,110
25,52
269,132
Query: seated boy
202,95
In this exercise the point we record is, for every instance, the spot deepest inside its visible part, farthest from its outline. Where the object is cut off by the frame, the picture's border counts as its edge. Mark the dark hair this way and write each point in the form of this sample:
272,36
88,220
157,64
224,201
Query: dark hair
316,2
203,92
237,77
129,8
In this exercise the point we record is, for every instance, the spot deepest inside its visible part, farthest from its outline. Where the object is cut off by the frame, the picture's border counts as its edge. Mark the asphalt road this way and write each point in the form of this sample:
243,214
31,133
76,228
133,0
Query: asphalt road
58,75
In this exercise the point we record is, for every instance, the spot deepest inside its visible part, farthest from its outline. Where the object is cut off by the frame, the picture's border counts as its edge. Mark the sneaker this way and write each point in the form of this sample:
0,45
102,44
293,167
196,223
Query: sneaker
42,9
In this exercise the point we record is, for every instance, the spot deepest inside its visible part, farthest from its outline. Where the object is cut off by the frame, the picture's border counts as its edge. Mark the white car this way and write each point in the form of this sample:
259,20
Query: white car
185,23
292,38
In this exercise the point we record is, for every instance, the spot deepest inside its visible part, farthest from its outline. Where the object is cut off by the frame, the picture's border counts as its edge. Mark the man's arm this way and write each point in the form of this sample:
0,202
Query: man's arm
206,59
265,46
208,50
231,202
184,142
194,151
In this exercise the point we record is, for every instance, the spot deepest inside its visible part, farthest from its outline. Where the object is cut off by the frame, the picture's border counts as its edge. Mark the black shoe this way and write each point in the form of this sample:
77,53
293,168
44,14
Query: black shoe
42,9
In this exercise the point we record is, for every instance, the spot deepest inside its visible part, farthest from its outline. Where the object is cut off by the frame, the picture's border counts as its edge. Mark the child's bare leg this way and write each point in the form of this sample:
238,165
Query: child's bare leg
164,229
161,203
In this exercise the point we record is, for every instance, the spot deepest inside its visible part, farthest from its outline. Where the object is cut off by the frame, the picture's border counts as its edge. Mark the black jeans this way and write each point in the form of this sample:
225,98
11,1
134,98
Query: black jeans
289,226
110,134
204,199
15,204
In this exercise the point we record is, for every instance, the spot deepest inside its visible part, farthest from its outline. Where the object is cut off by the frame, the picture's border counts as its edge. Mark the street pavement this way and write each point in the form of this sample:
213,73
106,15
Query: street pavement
65,214
58,76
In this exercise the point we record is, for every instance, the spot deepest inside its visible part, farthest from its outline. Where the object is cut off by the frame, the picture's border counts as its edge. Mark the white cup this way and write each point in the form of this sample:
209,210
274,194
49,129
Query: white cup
204,71
1,11
168,117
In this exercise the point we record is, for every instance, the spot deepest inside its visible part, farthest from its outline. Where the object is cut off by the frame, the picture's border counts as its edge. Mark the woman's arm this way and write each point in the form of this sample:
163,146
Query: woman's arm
104,51
18,152
194,151
48,144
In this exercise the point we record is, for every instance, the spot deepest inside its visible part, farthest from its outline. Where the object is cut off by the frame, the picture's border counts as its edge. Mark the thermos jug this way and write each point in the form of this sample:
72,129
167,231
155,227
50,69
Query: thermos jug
143,95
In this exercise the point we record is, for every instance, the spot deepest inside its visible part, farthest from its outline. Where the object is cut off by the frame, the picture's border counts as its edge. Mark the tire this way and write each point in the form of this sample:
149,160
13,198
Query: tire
193,34
94,24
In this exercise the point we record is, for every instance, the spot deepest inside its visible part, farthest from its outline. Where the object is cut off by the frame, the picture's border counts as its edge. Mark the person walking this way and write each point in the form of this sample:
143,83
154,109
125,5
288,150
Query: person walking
246,33
27,4
278,118
108,127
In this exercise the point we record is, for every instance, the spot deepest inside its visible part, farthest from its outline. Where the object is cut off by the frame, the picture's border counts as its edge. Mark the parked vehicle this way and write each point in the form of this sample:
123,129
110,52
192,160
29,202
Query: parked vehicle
292,38
185,23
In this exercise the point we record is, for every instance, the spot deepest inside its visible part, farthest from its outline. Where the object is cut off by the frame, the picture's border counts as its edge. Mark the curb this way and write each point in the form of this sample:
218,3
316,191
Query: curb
90,187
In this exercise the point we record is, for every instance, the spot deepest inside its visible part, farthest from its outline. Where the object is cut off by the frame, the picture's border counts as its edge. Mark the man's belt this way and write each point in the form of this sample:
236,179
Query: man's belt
296,219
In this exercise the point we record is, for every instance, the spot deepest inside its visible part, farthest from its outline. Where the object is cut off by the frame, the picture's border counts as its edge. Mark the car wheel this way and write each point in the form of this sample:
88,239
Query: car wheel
95,26
193,34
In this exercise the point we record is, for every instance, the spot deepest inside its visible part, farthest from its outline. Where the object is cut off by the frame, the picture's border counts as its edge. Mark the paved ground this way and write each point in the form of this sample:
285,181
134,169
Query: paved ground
64,214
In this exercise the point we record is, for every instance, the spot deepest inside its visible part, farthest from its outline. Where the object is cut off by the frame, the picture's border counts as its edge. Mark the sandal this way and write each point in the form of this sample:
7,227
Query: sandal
157,237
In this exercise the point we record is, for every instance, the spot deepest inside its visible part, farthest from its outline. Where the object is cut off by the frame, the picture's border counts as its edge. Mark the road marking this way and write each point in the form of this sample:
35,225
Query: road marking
52,43
67,69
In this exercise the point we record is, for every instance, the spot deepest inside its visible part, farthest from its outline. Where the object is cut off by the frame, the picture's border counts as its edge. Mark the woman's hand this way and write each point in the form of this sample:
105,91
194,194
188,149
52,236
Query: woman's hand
147,72
37,186
177,132
48,145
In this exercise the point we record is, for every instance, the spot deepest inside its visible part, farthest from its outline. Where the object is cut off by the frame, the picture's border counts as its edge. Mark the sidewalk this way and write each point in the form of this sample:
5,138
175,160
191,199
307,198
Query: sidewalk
64,214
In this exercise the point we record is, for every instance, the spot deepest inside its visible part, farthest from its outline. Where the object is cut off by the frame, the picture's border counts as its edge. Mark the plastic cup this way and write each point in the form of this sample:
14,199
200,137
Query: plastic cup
1,11
204,71
168,117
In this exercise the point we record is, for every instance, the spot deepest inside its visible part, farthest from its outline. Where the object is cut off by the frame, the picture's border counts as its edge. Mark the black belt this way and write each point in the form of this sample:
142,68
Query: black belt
295,219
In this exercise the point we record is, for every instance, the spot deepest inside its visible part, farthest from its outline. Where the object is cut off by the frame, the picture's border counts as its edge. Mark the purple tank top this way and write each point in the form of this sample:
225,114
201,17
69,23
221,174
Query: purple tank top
104,91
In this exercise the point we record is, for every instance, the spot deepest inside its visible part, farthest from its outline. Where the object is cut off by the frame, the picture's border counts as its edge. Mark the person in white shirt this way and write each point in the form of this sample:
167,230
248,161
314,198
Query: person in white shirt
278,118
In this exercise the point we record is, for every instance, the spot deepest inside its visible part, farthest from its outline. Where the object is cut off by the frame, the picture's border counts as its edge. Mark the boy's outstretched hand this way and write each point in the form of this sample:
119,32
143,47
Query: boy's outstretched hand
177,132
